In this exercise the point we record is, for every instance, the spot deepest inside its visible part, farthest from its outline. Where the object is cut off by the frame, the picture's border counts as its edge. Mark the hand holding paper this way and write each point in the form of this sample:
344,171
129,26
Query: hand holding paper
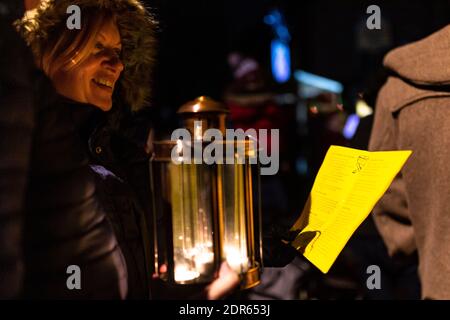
348,185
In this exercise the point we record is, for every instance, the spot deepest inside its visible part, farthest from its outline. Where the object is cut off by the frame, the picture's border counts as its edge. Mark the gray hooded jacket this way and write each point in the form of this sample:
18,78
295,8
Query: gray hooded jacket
413,113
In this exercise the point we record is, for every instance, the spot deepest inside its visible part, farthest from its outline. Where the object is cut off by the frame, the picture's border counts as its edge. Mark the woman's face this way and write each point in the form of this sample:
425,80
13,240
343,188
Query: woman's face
93,80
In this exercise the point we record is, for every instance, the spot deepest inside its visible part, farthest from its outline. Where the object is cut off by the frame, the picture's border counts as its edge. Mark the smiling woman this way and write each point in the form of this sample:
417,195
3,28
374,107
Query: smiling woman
113,51
84,66
89,168
79,201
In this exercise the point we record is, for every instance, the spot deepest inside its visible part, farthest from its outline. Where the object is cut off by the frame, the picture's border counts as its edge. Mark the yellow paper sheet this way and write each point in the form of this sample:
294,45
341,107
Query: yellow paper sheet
348,185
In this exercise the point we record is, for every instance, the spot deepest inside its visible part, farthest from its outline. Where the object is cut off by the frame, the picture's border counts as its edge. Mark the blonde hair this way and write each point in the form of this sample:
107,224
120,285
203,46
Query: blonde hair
44,30
67,48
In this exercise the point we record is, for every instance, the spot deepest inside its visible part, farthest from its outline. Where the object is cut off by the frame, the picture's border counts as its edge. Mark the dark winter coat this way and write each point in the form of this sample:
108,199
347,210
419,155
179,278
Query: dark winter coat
54,192
51,215
116,143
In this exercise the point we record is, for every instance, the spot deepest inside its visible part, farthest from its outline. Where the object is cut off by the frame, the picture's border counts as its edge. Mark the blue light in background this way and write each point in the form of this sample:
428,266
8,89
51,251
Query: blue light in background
301,165
350,126
281,61
282,33
272,18
280,51
314,80
275,19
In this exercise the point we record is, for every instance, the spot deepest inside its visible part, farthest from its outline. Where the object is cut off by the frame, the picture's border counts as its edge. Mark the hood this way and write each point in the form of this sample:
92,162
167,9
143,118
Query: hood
137,29
424,62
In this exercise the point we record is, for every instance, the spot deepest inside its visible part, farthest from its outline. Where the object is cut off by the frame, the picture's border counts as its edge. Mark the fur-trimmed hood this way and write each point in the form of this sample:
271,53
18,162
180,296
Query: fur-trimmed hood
137,29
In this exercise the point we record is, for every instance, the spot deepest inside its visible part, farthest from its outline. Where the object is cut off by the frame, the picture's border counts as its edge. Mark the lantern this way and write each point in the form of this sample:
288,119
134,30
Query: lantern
205,212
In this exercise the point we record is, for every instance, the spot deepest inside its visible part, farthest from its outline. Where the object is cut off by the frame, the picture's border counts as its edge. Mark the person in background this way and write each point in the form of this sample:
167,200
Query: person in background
252,105
412,114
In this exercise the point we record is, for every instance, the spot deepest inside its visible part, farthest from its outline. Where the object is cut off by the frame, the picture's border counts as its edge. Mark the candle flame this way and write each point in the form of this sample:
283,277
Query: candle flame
183,273
235,258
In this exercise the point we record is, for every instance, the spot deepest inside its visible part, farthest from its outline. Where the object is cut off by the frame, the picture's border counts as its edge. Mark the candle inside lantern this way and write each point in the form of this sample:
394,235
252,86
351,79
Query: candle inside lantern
202,256
192,222
184,273
236,259
192,263
235,222
207,211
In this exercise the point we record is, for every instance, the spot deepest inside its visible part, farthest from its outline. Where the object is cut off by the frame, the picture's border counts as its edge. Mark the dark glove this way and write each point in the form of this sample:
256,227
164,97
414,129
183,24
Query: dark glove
277,252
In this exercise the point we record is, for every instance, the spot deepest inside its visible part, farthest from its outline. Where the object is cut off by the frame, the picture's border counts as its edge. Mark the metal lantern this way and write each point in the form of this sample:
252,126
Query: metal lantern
203,213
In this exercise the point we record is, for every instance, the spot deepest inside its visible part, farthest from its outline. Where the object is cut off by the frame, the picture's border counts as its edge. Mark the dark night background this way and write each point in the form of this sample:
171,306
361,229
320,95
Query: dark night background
327,39
196,36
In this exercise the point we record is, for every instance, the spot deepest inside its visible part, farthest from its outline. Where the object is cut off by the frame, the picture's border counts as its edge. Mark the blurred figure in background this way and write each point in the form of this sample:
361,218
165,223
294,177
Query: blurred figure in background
252,106
412,114
399,278
252,103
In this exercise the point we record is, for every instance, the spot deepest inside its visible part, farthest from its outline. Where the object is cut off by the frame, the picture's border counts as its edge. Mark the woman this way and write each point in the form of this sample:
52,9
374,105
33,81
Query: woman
101,75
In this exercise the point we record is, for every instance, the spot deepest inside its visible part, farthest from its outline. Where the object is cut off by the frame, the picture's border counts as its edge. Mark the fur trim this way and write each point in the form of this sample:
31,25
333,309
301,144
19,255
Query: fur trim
137,29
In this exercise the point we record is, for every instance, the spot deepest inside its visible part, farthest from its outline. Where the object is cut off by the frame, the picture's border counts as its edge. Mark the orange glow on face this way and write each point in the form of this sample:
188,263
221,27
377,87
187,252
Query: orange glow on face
94,79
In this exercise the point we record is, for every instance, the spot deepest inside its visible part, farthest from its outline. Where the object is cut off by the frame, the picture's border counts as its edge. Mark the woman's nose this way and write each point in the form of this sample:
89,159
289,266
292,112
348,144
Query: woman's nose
112,61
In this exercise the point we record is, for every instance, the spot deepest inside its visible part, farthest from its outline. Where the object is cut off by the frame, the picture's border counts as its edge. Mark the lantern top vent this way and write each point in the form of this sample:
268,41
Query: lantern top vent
203,104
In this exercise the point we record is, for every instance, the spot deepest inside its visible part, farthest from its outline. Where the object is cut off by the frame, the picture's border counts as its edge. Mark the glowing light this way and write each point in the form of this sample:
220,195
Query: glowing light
183,273
198,131
363,109
204,257
313,80
314,110
235,258
281,61
275,19
350,126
